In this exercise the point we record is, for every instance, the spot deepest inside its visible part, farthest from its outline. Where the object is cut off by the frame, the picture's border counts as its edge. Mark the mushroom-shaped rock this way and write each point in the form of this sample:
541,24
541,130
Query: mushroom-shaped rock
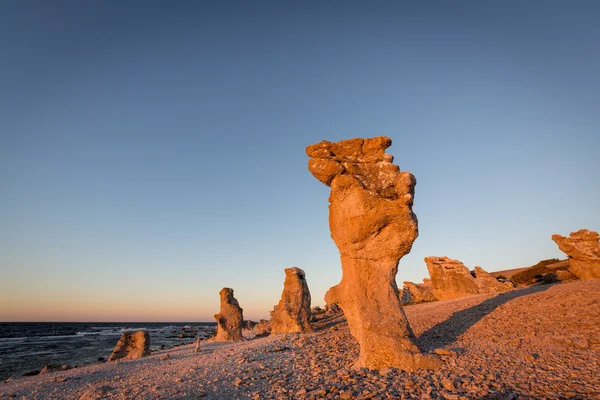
451,279
373,225
131,345
292,314
229,319
583,249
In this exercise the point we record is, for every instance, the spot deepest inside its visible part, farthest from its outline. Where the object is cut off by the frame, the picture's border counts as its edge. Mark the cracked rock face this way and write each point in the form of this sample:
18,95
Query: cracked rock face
583,249
229,319
451,279
292,314
131,345
373,225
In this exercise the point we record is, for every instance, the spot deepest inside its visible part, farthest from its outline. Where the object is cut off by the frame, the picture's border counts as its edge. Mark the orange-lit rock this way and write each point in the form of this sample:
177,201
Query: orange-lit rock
419,292
451,279
583,249
131,345
373,225
292,314
229,319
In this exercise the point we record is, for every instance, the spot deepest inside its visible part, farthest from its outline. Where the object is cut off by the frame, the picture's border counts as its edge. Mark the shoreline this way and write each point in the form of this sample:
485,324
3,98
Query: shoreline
537,342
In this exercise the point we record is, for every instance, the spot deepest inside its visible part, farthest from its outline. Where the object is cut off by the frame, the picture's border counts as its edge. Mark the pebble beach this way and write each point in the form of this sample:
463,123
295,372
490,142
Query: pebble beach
541,342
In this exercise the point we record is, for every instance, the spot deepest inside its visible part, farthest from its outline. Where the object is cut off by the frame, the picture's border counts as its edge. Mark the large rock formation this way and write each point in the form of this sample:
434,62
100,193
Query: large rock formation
419,292
451,279
373,226
583,249
131,345
292,314
229,319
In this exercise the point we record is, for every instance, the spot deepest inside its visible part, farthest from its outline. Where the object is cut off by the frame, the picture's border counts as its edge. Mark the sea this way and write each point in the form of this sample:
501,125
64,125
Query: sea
29,346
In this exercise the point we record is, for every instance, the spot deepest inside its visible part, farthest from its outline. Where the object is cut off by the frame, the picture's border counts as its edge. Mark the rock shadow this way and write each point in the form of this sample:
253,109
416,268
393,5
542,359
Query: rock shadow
329,322
447,332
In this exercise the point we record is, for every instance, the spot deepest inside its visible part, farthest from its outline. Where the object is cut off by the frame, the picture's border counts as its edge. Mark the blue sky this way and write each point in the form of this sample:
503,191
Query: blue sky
152,153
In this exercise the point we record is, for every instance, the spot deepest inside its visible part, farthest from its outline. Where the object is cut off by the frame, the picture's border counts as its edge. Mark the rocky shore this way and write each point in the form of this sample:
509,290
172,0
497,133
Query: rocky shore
541,342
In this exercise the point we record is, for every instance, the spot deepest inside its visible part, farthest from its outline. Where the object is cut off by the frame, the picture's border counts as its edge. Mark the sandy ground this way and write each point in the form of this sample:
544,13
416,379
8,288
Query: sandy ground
535,343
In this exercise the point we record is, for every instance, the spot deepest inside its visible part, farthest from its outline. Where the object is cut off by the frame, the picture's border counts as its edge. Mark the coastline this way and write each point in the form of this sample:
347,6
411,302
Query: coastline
537,342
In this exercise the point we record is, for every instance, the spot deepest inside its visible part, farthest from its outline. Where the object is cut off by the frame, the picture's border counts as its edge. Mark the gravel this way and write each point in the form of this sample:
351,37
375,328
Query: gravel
540,342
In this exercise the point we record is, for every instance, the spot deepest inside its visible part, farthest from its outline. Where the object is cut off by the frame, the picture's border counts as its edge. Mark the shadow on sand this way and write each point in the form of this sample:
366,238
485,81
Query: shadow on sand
445,333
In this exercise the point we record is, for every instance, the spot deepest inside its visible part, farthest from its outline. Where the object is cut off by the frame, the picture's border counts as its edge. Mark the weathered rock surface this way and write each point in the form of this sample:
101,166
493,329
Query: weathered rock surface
332,309
419,292
489,284
451,279
263,328
131,345
583,249
229,319
292,314
373,226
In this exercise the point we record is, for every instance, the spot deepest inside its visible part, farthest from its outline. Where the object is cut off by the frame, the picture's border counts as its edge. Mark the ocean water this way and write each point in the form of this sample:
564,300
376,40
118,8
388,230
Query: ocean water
31,345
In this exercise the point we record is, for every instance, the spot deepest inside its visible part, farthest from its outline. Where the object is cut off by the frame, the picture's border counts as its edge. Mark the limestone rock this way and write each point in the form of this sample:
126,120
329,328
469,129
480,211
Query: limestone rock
131,345
54,368
373,225
451,279
229,319
419,292
583,249
332,309
489,284
292,314
263,328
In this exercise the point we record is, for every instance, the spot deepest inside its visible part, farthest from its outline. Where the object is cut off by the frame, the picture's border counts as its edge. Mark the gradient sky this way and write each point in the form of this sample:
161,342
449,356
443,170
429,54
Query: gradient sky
152,153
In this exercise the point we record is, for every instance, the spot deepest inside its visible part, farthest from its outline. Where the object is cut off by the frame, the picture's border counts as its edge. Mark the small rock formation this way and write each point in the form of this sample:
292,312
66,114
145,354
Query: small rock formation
332,309
419,292
292,314
450,279
489,284
131,345
229,319
54,368
263,328
373,226
583,249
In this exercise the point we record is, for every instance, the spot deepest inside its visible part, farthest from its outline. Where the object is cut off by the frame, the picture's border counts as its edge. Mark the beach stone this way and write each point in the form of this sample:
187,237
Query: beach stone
419,292
263,328
583,249
229,319
373,225
131,345
450,279
54,368
292,314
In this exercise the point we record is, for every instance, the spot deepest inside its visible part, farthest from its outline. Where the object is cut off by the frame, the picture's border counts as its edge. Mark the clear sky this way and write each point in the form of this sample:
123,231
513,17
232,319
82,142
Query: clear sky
152,153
